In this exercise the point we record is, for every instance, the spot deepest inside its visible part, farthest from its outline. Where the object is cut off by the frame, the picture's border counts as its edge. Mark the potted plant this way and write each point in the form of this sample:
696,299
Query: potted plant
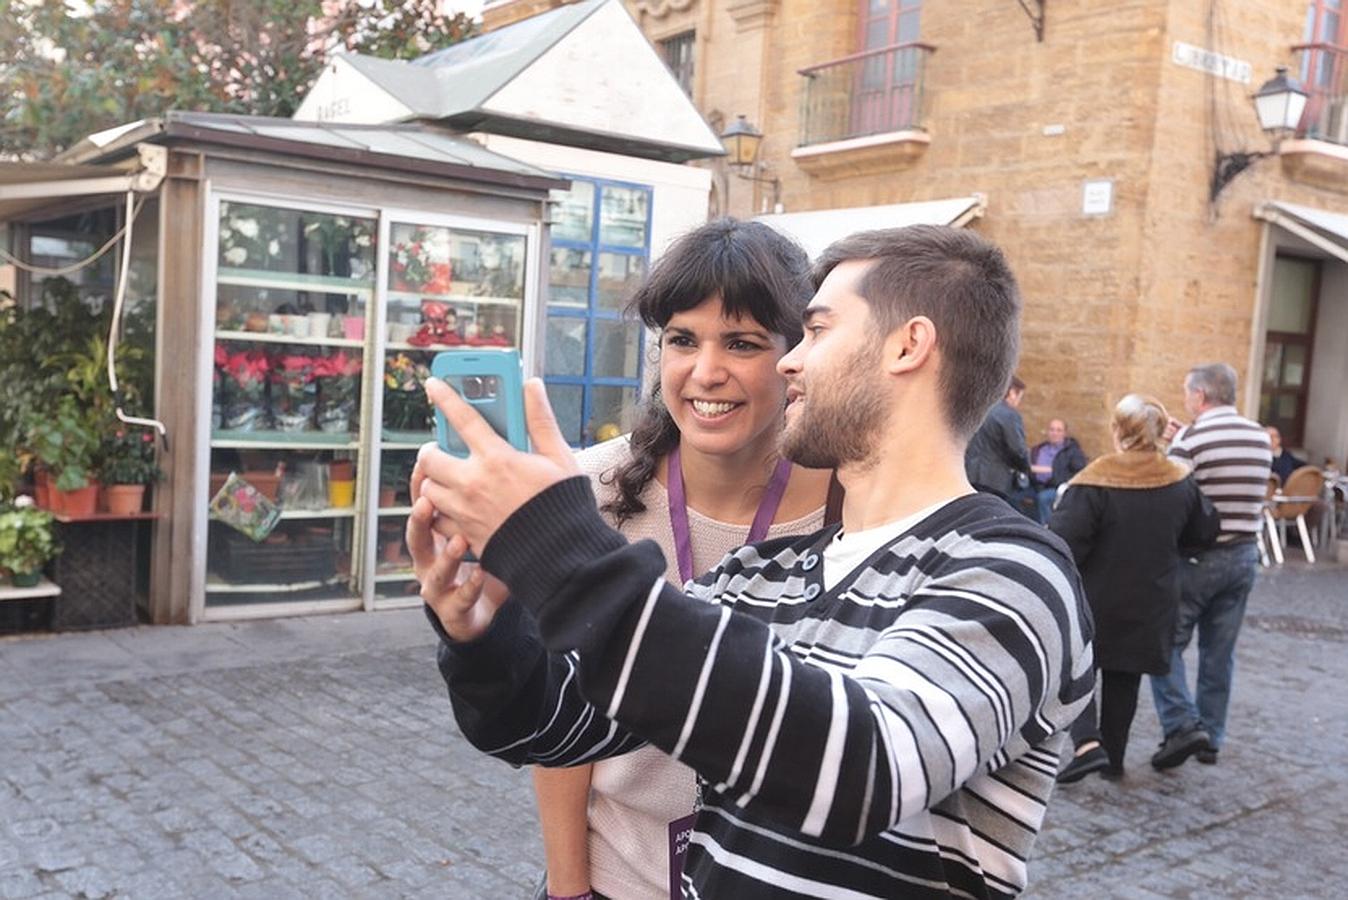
65,442
26,542
128,467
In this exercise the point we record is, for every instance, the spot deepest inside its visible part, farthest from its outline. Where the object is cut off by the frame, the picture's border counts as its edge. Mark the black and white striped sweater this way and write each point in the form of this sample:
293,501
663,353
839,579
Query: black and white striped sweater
897,736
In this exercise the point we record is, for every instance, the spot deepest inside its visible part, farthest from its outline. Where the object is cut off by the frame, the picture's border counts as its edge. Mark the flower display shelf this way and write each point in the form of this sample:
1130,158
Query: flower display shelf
293,281
268,337
332,512
44,588
284,439
406,440
451,299
220,586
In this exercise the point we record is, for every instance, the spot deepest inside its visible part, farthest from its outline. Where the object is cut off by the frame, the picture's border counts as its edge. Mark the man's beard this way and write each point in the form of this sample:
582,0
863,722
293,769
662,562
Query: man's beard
842,418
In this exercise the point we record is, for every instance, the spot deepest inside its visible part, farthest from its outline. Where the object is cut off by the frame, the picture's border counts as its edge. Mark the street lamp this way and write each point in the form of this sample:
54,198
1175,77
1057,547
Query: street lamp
742,141
1278,103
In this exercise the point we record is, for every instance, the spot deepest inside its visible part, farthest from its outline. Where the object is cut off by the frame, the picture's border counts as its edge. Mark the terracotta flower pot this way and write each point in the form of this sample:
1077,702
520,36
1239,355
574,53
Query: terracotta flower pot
388,496
342,470
393,550
77,504
42,488
124,499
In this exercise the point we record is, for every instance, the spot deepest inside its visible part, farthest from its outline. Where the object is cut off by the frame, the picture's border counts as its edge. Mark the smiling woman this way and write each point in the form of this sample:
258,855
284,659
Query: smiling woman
701,474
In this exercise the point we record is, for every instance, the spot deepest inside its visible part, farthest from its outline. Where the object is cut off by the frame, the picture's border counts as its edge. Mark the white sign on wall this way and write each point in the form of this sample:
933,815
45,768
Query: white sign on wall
1227,67
1097,197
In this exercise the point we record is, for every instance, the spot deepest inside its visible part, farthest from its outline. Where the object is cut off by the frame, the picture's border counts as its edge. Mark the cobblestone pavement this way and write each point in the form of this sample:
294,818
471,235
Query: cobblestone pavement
317,758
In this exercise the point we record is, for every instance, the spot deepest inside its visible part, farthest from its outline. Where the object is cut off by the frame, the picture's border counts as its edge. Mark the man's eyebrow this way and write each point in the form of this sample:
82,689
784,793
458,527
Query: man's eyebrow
813,312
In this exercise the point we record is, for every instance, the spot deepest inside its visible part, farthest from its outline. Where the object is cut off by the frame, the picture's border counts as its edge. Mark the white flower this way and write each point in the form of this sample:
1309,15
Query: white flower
274,248
362,240
235,256
23,501
246,227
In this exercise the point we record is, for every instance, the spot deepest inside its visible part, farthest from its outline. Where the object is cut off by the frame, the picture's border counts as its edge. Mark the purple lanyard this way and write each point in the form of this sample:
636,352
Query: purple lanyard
678,510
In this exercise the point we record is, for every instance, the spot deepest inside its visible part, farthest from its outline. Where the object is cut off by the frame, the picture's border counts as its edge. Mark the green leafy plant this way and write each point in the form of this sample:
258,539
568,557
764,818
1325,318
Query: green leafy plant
11,467
66,442
128,458
27,541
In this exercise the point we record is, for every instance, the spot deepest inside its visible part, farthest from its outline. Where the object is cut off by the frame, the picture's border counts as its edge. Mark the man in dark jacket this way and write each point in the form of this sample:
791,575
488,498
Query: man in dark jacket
1052,464
997,460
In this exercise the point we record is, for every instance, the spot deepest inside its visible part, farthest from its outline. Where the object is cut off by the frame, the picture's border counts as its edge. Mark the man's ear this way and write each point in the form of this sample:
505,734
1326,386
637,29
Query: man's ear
909,346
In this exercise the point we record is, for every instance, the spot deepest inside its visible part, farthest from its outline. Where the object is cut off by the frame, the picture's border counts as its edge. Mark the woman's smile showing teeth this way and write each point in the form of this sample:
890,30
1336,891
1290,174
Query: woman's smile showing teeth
712,408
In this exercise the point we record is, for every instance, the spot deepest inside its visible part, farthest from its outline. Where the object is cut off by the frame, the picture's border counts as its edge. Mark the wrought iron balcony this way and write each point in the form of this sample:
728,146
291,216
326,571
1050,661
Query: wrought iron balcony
1323,71
874,92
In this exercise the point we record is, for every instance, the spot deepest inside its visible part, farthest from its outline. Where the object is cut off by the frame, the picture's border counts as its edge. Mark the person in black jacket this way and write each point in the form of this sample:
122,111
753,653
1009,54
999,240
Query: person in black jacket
1127,517
996,459
1053,463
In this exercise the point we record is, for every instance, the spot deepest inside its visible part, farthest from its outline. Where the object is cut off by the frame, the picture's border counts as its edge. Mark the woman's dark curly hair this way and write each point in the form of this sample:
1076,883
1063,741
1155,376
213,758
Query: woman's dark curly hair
757,272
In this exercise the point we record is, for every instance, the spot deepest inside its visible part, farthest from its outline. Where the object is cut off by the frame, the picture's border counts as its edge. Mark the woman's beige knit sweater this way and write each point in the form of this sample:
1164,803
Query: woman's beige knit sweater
633,798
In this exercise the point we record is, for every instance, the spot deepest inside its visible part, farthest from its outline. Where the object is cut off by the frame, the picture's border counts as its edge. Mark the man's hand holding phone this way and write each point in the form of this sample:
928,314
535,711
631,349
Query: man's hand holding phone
465,500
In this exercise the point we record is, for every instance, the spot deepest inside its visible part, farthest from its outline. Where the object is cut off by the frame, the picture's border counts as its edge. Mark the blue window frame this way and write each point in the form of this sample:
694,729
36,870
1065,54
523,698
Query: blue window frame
592,352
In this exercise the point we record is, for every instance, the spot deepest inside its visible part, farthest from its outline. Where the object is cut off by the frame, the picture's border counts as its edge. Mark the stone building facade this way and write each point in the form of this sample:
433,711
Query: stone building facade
1093,129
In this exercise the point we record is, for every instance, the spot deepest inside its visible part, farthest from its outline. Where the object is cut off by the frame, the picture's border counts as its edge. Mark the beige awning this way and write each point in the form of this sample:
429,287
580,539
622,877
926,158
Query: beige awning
816,229
1326,230
26,186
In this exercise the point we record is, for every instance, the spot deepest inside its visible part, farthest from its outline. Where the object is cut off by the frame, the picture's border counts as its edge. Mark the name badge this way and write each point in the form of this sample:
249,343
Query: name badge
680,830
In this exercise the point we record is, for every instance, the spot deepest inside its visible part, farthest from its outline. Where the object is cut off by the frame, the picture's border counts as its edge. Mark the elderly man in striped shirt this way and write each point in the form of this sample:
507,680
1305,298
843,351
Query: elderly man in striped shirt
873,710
1230,457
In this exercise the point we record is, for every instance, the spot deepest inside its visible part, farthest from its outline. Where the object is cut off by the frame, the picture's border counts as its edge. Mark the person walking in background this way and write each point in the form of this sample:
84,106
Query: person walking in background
996,459
1126,517
1231,460
1053,462
700,475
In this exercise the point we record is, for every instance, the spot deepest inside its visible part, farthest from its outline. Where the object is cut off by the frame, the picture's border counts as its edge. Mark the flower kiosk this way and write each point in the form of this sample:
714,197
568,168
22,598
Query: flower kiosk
308,273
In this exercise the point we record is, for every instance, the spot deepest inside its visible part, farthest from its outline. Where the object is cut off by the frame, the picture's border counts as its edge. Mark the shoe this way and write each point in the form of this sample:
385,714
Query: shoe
1179,746
1207,757
1112,773
1079,767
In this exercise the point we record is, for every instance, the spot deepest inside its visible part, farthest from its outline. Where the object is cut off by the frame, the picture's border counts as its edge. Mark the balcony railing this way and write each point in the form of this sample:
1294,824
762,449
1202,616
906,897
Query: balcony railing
1323,72
875,92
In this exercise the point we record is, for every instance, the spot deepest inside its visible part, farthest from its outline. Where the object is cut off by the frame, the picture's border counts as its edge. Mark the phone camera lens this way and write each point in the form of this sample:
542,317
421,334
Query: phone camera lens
472,387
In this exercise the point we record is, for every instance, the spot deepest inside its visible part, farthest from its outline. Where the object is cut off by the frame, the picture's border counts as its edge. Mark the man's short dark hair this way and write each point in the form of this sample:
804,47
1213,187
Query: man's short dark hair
963,284
1016,384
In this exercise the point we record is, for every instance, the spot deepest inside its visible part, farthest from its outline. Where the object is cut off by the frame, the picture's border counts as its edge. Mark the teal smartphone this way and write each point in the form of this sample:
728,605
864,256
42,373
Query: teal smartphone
492,382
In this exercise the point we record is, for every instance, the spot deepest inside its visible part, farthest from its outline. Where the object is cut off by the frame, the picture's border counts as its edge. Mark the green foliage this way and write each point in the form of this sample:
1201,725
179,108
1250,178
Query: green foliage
58,350
27,541
67,75
128,458
11,467
65,440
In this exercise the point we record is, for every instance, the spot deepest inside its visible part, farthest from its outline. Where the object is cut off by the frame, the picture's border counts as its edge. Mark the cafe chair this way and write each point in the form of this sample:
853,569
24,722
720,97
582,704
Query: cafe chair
1302,491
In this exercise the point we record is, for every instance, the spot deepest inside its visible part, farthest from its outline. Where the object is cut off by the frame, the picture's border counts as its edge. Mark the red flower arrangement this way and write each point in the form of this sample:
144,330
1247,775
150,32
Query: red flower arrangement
245,399
337,376
294,394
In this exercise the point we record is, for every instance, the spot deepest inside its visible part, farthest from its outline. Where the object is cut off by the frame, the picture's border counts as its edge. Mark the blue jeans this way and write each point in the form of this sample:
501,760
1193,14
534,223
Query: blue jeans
1043,499
1213,591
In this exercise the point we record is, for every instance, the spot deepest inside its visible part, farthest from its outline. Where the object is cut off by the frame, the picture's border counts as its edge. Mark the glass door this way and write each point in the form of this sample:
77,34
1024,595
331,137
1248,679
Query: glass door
447,283
293,290
1288,339
592,350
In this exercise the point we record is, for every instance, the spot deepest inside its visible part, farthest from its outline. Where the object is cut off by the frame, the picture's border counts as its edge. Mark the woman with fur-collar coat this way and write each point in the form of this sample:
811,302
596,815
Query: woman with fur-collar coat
1128,518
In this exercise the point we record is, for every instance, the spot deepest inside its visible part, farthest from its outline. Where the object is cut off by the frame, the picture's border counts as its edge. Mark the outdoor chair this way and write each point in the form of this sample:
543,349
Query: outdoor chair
1302,491
1268,526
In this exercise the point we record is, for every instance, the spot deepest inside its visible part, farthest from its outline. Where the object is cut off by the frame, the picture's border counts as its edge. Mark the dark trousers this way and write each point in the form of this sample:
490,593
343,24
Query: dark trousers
1118,703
